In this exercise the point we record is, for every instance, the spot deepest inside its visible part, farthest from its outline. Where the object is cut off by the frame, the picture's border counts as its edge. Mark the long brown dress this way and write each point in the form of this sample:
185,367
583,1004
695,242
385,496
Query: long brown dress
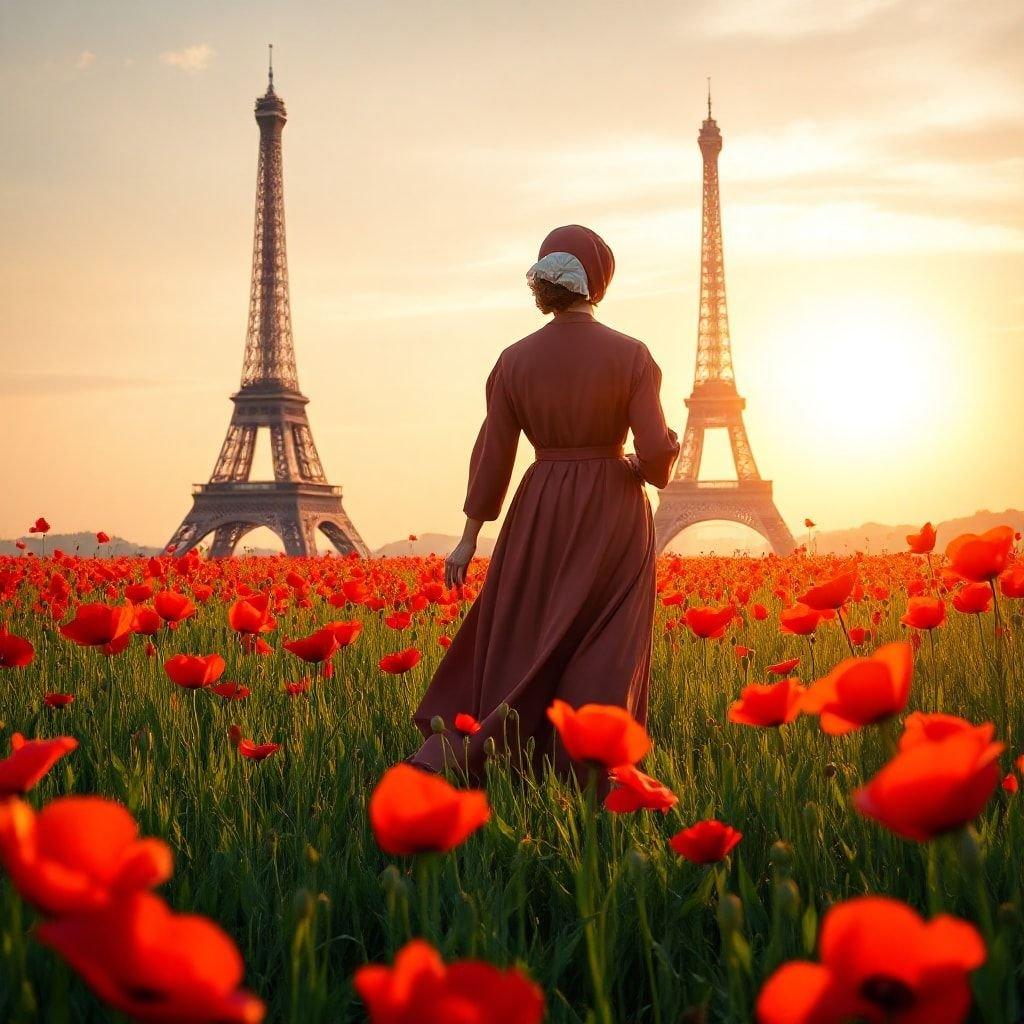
568,603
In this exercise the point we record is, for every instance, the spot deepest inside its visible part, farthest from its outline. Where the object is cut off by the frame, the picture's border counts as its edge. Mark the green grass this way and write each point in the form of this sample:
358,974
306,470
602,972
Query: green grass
281,855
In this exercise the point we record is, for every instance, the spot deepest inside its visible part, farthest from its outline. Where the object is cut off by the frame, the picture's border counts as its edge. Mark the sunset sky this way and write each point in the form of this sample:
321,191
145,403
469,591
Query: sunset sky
873,205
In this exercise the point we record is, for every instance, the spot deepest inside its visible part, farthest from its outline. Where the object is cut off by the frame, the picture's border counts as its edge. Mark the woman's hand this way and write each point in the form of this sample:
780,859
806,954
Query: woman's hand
633,461
457,563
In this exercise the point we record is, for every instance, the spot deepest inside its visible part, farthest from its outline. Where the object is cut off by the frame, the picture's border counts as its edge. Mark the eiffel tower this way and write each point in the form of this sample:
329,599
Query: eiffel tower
715,403
299,500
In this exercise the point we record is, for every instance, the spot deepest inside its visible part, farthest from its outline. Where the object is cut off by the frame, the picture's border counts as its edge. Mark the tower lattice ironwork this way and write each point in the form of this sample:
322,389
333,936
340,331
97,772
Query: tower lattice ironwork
715,402
299,500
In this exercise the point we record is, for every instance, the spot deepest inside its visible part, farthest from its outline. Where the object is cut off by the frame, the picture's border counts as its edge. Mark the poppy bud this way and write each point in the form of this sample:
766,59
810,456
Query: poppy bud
781,855
969,851
787,897
513,715
830,770
503,710
730,914
303,905
437,725
531,746
490,747
392,882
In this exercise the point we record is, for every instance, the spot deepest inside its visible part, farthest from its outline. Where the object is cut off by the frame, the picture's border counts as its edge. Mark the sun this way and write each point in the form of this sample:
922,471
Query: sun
865,372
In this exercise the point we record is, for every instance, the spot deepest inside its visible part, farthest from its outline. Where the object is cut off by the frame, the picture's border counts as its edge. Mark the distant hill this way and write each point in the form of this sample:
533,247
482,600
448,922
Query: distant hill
873,538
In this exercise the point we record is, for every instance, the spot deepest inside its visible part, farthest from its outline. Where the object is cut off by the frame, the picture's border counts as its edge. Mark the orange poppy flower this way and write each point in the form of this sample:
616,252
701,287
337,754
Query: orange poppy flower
421,989
862,691
881,963
15,651
831,594
635,791
709,623
78,853
400,662
706,842
345,632
934,787
29,761
973,598
599,733
768,704
922,542
800,620
194,671
466,724
981,557
154,965
924,613
256,751
759,611
412,811
95,625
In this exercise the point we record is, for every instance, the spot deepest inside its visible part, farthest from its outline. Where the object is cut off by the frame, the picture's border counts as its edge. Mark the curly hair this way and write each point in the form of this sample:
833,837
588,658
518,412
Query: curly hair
553,298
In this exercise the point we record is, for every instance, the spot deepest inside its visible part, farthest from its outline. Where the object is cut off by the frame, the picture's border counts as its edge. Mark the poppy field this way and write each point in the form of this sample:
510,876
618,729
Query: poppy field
204,815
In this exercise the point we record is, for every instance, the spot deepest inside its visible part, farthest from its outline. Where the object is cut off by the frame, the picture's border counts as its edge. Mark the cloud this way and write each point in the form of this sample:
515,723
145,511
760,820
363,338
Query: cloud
86,59
191,60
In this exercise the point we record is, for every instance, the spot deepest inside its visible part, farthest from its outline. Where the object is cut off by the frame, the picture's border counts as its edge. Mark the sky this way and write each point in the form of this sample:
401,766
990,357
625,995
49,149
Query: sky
872,184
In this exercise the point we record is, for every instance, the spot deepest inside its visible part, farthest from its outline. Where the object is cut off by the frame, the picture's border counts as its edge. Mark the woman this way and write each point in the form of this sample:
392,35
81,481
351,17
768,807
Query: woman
567,607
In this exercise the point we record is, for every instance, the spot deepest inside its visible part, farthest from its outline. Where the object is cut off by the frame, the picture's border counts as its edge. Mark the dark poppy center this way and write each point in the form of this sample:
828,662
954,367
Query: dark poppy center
888,993
142,994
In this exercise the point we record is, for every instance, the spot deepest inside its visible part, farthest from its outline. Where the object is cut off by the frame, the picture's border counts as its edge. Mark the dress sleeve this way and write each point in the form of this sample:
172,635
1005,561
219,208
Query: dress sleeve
657,447
494,454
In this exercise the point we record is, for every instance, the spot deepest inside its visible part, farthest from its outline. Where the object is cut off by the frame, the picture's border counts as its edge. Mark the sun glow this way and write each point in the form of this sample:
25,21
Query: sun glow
866,372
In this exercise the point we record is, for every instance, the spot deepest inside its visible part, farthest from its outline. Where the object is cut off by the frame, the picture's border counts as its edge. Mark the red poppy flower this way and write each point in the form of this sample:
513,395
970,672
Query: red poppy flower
810,524
635,791
973,598
58,700
231,691
759,611
154,965
399,620
1011,582
832,594
147,622
706,842
96,625
102,538
316,647
445,641
768,704
783,668
137,593
881,963
422,989
862,691
466,724
78,853
173,607
413,811
981,557
401,661
29,761
799,620
709,623
1010,783
194,671
304,685
346,633
858,635
257,751
934,787
924,727
15,651
39,526
251,615
922,542
924,613
600,733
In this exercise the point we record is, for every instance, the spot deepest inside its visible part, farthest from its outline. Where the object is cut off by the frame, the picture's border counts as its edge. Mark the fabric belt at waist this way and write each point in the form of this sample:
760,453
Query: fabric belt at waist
608,451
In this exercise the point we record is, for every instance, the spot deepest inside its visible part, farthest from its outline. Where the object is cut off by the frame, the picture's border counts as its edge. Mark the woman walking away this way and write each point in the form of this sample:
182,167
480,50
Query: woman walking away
567,607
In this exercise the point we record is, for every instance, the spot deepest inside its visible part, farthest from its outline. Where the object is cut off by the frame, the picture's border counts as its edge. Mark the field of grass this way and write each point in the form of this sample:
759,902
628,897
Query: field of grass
281,855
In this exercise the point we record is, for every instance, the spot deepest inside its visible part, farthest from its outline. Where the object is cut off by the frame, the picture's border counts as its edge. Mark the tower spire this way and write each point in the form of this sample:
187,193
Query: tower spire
709,97
270,72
